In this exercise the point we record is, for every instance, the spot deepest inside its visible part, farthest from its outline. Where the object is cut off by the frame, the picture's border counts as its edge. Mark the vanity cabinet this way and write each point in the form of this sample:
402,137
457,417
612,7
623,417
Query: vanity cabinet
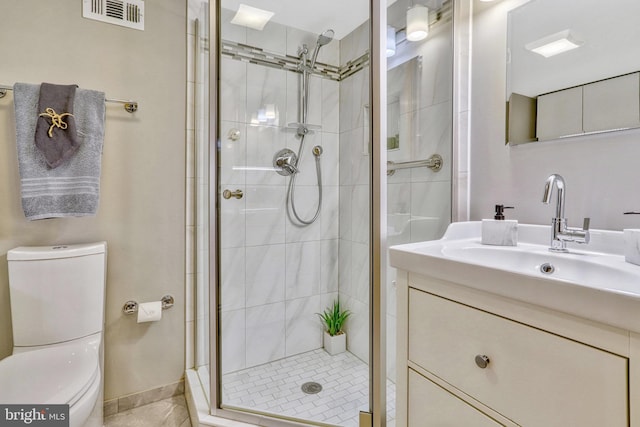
470,358
432,404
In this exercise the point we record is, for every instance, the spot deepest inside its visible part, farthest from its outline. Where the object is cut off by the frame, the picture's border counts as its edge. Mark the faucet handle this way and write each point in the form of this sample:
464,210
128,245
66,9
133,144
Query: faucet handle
585,224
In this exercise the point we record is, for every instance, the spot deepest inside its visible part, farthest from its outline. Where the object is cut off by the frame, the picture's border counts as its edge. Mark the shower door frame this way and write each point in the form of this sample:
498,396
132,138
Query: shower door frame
377,333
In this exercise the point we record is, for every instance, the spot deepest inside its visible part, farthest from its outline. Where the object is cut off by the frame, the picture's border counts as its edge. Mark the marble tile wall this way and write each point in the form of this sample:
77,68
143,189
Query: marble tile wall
354,212
275,275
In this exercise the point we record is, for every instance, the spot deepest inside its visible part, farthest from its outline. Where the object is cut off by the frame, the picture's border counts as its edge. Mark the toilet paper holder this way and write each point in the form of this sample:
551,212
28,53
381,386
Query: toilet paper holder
131,307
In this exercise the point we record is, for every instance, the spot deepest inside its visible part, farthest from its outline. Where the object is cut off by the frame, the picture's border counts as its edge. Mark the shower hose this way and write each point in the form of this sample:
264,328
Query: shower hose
317,151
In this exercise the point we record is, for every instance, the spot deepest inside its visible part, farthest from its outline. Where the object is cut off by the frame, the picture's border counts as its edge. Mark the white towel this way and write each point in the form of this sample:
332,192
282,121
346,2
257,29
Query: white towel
73,188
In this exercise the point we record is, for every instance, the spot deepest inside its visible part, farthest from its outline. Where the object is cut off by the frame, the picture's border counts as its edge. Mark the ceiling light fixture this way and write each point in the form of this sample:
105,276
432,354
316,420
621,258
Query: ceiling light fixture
554,44
251,17
417,23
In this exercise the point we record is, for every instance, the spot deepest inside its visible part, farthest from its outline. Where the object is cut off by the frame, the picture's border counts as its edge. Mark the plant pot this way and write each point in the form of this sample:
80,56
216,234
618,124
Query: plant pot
335,344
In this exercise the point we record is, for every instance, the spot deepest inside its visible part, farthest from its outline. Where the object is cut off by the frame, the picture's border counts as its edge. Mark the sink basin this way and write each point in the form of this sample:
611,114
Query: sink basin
598,270
591,281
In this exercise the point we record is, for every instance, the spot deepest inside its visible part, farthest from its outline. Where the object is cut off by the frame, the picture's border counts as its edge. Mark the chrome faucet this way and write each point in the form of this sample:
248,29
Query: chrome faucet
560,232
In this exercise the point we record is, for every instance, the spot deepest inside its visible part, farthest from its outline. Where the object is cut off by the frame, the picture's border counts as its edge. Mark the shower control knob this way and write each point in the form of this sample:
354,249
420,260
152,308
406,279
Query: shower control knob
227,194
285,162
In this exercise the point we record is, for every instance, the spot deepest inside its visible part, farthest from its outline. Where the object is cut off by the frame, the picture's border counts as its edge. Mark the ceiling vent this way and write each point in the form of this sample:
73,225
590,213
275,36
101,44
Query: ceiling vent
126,13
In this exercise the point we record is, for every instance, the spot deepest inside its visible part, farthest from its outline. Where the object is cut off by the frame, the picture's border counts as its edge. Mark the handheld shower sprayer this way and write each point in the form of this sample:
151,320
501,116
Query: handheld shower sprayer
323,39
286,161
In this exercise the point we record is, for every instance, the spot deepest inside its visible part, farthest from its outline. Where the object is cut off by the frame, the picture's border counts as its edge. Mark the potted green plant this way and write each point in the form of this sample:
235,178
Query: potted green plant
333,318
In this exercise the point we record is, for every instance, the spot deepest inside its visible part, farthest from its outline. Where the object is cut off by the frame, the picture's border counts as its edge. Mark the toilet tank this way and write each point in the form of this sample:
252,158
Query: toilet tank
56,292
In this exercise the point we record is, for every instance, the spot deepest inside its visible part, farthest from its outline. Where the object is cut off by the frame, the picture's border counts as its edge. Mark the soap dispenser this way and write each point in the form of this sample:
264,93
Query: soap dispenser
499,231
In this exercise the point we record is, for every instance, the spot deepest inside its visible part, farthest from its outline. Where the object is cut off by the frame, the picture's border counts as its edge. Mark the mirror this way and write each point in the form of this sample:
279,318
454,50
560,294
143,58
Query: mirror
604,36
393,122
402,87
607,33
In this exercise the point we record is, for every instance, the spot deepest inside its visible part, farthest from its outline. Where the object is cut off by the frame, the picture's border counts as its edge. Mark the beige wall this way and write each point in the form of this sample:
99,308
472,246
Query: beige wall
141,213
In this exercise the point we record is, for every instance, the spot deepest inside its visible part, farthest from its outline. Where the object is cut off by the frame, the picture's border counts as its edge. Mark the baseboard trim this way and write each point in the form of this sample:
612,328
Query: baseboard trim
134,400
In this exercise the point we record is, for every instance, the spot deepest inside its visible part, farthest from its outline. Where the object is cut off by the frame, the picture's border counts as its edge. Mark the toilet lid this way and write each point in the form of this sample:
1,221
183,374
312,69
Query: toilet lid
56,375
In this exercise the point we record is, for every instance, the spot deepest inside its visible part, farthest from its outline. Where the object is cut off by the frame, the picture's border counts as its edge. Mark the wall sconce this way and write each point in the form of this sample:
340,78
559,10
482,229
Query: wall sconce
417,23
391,41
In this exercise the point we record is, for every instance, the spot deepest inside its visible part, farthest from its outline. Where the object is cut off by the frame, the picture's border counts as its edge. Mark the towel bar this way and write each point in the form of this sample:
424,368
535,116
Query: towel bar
129,106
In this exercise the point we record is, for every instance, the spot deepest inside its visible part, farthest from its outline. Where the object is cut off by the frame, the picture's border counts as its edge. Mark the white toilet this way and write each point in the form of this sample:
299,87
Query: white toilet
57,311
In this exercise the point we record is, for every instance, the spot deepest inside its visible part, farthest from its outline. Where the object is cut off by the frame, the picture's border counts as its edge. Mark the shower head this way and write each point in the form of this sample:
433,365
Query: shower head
323,39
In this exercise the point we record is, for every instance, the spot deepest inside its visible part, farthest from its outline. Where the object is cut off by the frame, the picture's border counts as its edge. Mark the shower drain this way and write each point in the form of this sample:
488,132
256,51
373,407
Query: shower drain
311,388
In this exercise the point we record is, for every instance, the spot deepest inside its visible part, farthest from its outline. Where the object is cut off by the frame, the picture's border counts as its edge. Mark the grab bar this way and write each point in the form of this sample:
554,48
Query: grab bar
434,163
129,106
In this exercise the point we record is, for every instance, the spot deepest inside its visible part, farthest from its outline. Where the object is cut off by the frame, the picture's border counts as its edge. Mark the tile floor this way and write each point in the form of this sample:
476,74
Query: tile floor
276,388
171,412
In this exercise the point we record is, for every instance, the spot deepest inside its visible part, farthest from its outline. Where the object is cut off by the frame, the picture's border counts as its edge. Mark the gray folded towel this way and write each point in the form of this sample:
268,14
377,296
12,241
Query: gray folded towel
56,127
73,188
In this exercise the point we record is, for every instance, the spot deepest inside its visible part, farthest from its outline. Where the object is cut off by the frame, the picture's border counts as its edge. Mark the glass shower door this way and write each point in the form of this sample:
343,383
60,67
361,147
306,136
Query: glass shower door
419,128
293,210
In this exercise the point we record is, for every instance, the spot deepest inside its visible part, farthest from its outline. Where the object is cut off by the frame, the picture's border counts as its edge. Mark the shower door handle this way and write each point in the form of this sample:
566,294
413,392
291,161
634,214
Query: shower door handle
227,194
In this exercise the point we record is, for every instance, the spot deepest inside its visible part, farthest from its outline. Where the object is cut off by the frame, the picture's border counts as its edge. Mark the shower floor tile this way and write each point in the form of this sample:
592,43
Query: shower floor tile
276,388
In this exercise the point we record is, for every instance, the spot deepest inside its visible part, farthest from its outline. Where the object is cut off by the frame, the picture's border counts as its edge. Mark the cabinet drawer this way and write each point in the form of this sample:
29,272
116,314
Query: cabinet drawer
432,406
533,377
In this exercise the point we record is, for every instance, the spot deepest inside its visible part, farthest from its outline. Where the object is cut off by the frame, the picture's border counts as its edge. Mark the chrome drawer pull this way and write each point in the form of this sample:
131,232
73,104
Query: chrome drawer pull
482,361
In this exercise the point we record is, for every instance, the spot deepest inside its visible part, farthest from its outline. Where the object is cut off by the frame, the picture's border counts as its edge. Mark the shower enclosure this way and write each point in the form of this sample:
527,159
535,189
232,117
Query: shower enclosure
288,216
283,252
